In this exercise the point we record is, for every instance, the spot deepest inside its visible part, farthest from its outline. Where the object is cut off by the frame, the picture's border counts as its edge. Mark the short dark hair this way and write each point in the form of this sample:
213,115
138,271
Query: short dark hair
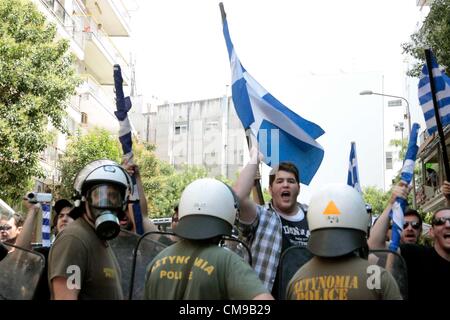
284,166
412,212
18,219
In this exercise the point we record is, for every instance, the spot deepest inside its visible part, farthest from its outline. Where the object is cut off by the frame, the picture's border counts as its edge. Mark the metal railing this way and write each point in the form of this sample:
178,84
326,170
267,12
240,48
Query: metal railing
94,29
71,23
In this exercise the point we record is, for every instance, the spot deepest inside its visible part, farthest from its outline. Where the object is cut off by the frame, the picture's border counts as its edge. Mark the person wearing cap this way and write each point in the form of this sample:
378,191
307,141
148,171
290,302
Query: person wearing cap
272,228
428,267
196,267
82,264
62,216
339,270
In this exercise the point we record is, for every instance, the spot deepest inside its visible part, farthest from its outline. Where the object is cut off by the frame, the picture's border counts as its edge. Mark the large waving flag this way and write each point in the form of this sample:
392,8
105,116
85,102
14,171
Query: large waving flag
123,105
442,85
282,134
398,209
353,174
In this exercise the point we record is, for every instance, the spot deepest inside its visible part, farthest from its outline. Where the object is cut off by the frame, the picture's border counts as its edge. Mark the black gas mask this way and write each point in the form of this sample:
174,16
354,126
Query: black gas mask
106,205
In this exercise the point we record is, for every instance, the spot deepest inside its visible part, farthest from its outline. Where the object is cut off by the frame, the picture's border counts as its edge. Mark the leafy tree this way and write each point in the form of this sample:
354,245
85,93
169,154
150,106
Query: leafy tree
376,198
162,183
36,79
82,149
434,33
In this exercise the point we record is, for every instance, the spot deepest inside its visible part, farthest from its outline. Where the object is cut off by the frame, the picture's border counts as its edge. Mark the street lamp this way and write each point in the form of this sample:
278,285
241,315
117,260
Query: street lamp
399,127
406,116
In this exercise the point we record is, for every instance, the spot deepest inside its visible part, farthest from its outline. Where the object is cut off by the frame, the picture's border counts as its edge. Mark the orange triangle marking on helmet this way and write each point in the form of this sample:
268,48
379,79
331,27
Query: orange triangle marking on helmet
331,209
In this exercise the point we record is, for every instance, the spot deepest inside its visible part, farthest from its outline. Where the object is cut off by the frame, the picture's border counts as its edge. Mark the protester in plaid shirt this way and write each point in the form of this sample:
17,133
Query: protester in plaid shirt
276,226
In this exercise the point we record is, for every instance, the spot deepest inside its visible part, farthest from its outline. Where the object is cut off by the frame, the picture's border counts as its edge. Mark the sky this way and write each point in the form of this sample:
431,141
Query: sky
313,56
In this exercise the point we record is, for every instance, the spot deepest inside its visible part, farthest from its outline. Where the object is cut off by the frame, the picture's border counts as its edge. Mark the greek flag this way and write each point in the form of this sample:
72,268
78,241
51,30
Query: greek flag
442,85
282,134
353,174
46,241
123,105
398,209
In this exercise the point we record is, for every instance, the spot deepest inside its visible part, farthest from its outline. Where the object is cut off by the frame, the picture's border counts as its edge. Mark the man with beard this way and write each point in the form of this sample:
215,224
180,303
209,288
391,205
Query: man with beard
272,228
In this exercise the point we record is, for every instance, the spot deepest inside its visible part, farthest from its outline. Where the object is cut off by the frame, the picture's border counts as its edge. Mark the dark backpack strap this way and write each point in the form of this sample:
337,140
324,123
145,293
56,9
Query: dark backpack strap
186,271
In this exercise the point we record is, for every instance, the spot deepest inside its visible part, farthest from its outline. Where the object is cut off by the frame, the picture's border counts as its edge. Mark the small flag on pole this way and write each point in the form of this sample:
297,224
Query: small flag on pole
353,174
442,85
46,242
407,173
282,134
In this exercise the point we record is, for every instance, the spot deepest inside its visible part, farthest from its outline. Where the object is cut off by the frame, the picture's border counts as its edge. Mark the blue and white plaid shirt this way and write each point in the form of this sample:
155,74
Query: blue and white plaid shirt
264,237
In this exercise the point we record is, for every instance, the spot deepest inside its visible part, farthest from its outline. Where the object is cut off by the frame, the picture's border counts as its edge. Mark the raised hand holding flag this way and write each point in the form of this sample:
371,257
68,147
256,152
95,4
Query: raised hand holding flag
282,134
123,105
407,173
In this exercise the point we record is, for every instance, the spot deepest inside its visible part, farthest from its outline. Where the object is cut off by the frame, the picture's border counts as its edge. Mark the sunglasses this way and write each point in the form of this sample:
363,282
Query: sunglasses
440,221
5,227
414,225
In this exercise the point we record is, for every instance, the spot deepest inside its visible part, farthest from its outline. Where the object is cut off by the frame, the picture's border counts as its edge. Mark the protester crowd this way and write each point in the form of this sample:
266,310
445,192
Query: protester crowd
334,229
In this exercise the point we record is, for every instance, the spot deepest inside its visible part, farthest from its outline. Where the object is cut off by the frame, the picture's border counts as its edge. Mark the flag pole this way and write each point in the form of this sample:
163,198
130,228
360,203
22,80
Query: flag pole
123,105
437,115
256,191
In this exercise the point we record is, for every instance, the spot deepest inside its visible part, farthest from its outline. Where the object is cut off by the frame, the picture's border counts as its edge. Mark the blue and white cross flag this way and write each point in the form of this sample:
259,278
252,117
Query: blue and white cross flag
282,134
442,85
353,174
398,209
46,208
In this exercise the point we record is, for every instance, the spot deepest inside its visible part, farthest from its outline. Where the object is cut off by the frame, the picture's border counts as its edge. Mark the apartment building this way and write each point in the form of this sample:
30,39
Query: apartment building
91,27
205,133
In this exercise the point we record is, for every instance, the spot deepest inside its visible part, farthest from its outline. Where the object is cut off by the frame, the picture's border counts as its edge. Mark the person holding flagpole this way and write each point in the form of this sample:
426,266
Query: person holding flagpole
271,228
287,143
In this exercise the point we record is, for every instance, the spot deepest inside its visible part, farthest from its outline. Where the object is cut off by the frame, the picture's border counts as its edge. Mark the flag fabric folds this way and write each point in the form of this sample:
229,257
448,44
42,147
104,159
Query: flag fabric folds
282,134
398,209
442,85
123,105
353,174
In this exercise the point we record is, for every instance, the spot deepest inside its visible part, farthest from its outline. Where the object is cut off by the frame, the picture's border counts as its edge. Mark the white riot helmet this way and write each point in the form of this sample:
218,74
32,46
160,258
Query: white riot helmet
106,187
338,220
207,209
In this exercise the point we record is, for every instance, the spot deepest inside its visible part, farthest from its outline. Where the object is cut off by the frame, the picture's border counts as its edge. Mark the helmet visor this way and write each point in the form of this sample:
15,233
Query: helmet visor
105,196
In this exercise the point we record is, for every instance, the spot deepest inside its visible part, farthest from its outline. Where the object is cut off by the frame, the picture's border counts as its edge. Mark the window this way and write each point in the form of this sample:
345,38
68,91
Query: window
84,118
389,160
180,128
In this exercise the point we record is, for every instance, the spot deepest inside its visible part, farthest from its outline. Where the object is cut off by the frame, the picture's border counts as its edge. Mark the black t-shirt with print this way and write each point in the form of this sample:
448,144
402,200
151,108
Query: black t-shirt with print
295,232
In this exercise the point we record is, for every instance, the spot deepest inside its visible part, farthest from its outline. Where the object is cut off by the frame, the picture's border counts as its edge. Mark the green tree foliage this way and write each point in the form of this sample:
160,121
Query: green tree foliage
434,34
36,78
376,198
82,149
162,183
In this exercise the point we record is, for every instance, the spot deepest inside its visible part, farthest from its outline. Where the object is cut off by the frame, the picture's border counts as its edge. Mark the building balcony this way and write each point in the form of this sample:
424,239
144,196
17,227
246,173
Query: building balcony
96,106
68,26
113,15
101,54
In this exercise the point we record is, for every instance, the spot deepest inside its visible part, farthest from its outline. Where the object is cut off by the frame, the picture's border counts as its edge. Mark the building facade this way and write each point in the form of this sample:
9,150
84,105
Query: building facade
90,26
205,133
